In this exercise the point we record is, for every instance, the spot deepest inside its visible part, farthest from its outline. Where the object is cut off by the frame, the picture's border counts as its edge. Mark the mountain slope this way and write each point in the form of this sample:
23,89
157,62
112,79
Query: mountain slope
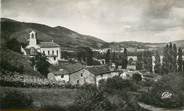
134,44
61,35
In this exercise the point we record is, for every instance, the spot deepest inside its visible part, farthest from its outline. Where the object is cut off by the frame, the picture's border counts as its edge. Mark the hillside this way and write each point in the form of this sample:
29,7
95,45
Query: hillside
67,38
61,35
135,44
13,61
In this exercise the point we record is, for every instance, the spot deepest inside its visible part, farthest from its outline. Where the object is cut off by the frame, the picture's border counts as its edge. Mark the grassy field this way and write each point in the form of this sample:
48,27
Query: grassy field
45,97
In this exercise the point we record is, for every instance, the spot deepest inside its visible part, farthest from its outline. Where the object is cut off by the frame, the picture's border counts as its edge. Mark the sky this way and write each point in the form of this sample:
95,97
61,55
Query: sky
109,20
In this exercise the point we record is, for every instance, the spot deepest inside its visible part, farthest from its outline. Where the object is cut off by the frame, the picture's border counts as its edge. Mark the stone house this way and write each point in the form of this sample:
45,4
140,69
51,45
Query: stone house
101,72
77,74
59,76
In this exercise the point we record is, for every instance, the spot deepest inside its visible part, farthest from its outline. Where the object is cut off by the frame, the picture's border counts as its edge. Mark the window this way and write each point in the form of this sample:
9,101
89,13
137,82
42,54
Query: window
54,58
77,81
52,52
81,74
32,36
48,52
44,52
62,76
57,52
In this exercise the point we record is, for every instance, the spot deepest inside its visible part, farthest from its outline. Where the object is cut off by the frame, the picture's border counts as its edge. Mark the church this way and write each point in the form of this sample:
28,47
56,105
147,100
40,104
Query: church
50,49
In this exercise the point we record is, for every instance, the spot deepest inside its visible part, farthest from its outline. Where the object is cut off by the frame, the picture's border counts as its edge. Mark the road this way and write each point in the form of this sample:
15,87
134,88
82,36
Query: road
153,108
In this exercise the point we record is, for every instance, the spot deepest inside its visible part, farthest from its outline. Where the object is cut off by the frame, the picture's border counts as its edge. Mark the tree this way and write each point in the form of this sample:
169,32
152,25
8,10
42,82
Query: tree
14,45
157,67
169,59
174,58
125,59
165,63
139,63
89,56
179,60
107,56
85,54
147,60
39,61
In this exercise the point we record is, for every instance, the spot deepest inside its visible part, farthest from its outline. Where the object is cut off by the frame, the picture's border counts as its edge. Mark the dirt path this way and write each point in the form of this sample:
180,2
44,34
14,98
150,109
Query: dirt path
153,108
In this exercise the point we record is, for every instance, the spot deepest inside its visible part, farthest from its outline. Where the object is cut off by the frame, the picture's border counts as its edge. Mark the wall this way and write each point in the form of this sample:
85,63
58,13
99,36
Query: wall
65,78
105,76
81,77
51,57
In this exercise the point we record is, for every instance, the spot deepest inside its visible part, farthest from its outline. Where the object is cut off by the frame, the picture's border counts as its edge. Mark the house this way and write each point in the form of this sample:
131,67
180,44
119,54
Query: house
131,49
101,72
101,61
50,49
77,74
72,73
127,74
59,76
81,77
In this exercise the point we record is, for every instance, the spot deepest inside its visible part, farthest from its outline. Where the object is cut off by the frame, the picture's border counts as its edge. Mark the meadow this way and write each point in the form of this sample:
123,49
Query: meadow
44,97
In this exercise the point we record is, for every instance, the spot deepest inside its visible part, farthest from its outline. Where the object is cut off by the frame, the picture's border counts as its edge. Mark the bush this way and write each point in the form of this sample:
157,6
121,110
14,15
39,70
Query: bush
117,84
171,83
137,77
90,98
15,99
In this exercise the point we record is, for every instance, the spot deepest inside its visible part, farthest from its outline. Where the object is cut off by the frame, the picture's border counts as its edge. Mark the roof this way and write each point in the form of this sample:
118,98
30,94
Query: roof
98,70
69,67
48,44
60,72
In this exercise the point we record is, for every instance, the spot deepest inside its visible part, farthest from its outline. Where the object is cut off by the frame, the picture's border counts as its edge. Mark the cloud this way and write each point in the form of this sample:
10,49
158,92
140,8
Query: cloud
110,20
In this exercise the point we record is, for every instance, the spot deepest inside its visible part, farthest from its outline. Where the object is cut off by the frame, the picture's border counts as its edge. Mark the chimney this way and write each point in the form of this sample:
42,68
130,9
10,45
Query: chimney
52,40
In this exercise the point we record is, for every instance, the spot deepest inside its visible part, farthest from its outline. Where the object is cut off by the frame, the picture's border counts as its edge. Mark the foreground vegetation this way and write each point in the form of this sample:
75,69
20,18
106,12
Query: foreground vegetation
85,98
113,94
167,92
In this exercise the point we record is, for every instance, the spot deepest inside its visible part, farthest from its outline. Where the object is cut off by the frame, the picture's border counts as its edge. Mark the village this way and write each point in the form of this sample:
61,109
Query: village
101,68
76,73
92,55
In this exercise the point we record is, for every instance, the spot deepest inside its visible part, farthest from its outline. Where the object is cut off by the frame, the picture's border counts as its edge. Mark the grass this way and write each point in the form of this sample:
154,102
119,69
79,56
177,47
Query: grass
45,97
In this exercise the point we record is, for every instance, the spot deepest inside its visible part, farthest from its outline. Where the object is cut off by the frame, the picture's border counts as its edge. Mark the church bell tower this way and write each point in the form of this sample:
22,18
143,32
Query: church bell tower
32,38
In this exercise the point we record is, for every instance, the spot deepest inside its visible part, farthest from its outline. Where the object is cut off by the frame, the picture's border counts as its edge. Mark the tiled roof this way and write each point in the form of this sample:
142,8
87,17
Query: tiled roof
61,72
98,70
48,44
69,67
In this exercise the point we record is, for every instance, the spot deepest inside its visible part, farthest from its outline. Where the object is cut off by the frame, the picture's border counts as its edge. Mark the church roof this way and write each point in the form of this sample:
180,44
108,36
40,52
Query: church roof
48,44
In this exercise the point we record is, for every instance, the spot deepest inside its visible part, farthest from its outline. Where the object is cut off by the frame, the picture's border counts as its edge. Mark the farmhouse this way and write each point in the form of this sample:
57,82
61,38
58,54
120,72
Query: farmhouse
50,49
59,76
101,72
77,74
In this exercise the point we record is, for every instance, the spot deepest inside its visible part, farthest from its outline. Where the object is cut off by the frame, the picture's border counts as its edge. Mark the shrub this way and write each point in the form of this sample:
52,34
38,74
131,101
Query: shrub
171,83
117,84
15,99
137,77
92,99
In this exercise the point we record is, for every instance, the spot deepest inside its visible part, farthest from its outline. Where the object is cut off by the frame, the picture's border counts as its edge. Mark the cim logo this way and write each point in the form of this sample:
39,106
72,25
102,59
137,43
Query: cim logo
166,95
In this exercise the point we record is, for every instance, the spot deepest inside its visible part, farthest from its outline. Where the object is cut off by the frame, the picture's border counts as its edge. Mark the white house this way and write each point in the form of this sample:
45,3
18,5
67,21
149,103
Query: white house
50,49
